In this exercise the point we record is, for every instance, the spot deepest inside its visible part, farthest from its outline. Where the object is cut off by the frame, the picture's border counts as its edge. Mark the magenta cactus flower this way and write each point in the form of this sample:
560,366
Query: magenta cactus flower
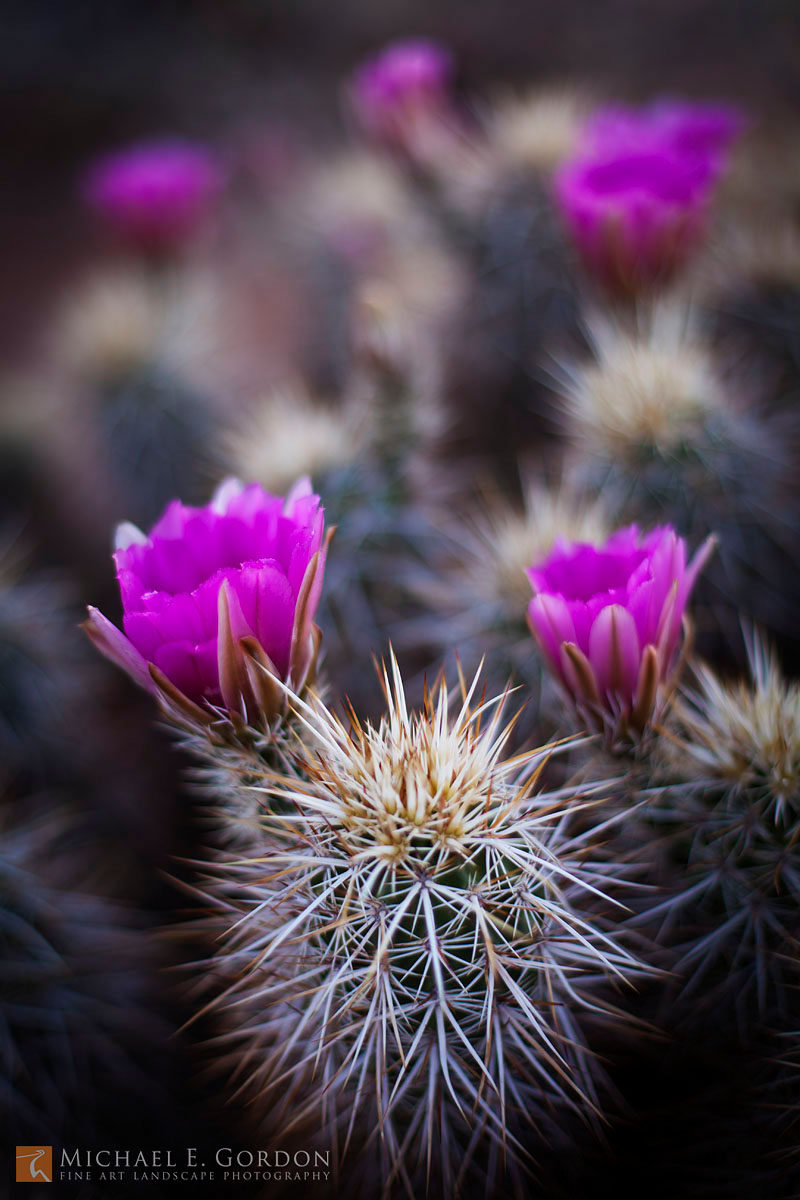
608,619
154,195
635,215
700,131
406,83
219,602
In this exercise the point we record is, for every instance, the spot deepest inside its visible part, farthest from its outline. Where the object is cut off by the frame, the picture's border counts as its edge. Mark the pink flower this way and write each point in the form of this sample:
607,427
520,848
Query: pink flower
635,215
154,195
608,619
700,131
405,84
219,601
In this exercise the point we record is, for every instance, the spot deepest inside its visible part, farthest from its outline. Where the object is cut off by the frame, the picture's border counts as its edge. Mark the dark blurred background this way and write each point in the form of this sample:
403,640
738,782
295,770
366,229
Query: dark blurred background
78,77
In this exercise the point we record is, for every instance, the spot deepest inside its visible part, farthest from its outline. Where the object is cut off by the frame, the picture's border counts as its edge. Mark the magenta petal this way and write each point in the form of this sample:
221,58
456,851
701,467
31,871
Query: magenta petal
267,603
551,620
669,624
645,611
206,598
192,668
173,522
240,626
582,620
253,504
167,619
614,652
130,586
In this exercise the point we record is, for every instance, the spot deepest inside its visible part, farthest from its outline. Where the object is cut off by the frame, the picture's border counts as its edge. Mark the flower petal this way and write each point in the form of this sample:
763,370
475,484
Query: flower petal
551,622
614,652
192,668
113,643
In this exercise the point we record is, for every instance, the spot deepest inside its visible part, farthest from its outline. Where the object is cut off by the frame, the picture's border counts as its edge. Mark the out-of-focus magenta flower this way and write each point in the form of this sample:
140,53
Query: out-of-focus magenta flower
154,195
608,619
635,215
219,602
699,131
403,86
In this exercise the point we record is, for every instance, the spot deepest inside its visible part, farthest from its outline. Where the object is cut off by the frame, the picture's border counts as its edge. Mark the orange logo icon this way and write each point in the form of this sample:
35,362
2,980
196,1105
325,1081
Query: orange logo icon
34,1164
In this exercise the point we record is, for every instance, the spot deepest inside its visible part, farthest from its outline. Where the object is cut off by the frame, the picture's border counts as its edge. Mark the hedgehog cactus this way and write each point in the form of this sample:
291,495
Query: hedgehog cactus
656,429
415,956
731,819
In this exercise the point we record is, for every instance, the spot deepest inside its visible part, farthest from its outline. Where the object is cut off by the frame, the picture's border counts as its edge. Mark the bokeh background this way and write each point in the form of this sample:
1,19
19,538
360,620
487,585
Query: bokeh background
78,78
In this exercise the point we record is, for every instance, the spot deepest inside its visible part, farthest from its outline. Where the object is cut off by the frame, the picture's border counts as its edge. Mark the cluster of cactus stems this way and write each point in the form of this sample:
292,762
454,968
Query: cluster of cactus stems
422,921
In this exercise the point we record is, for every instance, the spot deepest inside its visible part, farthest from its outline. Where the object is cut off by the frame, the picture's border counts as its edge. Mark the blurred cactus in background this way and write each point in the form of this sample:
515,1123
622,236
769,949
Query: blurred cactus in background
81,1016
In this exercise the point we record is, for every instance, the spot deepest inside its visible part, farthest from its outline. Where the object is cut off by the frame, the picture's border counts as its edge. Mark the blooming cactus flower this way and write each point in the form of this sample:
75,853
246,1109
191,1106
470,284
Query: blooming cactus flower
608,618
154,195
635,214
406,82
699,131
219,601
637,195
